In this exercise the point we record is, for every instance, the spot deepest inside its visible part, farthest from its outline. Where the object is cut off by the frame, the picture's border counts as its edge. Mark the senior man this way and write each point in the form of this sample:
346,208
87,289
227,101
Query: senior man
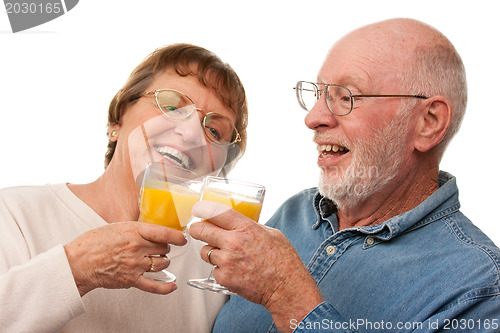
381,245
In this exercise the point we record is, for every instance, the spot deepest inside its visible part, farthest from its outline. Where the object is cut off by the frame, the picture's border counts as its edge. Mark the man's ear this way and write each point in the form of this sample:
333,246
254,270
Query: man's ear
433,123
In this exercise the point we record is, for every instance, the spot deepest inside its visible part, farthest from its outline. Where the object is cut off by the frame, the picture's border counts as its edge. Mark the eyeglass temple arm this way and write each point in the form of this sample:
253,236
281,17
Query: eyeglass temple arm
416,96
238,137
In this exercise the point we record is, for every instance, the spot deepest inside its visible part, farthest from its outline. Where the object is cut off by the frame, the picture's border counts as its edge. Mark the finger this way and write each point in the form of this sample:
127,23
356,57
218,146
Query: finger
152,286
155,263
208,254
208,233
157,248
219,214
160,234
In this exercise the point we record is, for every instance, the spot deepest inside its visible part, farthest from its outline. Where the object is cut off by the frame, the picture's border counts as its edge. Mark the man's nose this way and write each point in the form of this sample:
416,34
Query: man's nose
320,116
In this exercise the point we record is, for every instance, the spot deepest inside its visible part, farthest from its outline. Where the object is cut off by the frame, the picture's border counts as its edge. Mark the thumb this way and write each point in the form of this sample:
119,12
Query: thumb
207,210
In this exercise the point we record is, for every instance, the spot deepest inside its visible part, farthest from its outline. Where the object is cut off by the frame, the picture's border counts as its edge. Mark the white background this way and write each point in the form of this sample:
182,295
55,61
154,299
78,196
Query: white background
57,79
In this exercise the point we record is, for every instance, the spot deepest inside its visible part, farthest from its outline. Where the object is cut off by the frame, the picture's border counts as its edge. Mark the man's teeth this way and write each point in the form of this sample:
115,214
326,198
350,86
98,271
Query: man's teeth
174,155
327,148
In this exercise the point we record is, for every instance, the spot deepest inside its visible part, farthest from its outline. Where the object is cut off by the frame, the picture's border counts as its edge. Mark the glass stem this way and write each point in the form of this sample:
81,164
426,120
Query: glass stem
211,276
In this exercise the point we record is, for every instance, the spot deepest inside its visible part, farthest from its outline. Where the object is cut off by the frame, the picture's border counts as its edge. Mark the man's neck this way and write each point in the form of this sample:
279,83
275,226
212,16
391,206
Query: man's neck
394,200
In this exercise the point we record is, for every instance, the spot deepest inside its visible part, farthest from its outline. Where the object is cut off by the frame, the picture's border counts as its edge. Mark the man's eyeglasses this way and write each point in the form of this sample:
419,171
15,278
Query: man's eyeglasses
176,105
339,99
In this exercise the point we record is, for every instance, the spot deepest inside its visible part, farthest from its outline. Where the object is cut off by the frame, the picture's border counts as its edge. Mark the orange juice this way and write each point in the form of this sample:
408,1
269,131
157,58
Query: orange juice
244,205
169,205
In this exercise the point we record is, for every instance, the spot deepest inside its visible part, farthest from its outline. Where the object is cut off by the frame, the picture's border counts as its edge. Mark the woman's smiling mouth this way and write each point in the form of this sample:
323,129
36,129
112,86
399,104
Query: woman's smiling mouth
175,156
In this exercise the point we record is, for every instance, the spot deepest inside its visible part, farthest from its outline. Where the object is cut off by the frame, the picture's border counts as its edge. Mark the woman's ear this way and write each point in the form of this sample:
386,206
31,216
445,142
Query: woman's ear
433,123
114,129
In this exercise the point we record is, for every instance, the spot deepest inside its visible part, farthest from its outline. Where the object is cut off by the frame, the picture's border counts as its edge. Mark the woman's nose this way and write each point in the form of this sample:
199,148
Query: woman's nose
190,129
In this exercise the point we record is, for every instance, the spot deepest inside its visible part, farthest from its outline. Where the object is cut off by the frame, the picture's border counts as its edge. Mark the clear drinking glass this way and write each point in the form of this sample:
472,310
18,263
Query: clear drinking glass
168,194
246,198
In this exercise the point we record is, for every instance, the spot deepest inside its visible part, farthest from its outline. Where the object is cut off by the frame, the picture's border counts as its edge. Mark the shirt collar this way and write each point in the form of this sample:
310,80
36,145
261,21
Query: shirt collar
325,211
442,202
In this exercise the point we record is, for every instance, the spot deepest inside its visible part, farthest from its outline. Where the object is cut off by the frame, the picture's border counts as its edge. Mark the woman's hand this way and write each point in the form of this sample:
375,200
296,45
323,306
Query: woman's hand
116,255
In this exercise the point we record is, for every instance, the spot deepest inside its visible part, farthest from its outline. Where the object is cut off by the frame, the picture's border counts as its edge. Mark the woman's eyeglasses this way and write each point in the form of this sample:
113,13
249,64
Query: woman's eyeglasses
176,105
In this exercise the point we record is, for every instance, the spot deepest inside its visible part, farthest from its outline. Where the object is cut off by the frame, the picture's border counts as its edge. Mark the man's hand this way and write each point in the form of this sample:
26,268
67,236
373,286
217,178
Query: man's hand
256,262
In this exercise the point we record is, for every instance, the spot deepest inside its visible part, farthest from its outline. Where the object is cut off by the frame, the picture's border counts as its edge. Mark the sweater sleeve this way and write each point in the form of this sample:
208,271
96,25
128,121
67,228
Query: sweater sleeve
37,294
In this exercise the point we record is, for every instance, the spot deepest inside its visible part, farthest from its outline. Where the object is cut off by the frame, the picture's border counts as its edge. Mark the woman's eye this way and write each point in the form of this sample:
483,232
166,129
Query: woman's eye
214,133
169,108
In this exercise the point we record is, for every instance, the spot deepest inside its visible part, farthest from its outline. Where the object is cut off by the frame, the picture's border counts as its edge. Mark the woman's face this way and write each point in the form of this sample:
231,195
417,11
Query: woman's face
150,136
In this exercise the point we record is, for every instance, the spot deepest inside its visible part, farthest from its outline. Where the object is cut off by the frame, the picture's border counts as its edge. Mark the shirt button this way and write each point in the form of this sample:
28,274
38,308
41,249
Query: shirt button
370,241
331,249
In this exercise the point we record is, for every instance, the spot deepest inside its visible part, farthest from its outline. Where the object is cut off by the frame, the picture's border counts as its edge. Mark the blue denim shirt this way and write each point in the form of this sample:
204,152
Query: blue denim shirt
426,270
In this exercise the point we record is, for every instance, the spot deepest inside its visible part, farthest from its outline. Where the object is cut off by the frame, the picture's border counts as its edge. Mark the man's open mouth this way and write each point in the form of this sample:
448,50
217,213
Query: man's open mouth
331,150
175,156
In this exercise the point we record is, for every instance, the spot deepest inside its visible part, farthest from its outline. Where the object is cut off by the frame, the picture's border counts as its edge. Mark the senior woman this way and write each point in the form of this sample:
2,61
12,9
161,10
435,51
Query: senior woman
72,257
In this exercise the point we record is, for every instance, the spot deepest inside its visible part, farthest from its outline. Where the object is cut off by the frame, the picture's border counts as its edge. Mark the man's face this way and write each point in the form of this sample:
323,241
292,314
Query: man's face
362,152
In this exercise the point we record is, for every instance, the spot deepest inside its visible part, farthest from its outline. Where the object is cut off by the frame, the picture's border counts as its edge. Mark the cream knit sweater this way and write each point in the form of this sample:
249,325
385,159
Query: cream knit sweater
37,290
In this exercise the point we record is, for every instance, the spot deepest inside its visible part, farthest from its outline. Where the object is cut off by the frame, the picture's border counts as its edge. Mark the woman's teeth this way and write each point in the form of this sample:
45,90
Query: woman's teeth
175,156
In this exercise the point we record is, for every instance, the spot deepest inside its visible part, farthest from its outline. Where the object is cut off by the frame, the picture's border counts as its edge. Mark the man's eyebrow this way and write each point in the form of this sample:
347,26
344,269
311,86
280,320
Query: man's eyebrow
344,80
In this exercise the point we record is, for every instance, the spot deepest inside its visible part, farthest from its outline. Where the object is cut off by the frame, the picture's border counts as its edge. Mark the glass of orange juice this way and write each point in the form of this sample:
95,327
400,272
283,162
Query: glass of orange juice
244,197
168,194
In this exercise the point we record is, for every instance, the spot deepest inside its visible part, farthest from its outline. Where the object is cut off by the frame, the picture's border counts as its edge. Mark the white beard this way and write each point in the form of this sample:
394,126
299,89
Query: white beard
375,163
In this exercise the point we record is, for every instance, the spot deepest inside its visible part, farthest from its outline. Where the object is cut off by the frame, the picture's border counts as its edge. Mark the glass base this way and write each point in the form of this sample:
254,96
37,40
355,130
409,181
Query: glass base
161,276
210,285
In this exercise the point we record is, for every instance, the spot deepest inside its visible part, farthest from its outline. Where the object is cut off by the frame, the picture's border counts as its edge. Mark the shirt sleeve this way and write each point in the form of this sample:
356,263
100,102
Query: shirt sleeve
324,318
476,311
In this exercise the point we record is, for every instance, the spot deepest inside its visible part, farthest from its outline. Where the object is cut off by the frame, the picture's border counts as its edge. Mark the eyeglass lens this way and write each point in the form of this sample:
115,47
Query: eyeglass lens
218,128
175,105
338,98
